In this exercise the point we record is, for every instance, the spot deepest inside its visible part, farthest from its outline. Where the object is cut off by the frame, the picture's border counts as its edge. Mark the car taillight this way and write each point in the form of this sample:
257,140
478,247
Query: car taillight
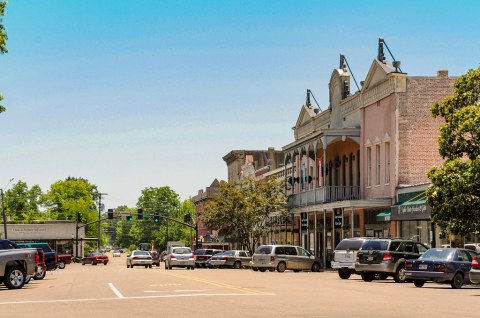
135,257
272,258
408,265
172,256
357,257
224,258
439,267
37,258
475,263
387,256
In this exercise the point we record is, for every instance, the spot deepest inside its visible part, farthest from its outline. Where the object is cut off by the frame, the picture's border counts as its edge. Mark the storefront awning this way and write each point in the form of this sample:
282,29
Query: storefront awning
411,210
383,216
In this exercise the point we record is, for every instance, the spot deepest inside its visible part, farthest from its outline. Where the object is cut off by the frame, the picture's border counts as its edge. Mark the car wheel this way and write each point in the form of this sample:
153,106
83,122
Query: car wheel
281,267
150,266
315,267
83,263
128,266
457,281
40,275
94,263
61,264
343,274
271,269
105,263
14,278
254,269
418,283
237,265
367,277
400,274
381,276
27,279
262,269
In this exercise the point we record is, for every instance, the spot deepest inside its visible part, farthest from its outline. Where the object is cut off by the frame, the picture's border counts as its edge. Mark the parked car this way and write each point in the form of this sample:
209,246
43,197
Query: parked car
441,265
345,255
381,258
180,257
234,258
41,267
203,255
95,258
474,273
116,253
283,257
155,258
139,258
50,254
473,246
63,260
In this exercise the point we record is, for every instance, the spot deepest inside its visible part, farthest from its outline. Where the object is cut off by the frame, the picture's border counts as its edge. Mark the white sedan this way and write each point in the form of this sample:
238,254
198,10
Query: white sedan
139,258
116,253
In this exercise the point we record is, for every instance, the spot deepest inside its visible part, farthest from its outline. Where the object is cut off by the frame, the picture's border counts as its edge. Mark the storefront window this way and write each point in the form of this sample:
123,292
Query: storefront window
417,230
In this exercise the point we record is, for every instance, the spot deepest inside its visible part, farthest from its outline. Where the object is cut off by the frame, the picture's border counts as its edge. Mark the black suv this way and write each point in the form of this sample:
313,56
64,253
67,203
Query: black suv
380,258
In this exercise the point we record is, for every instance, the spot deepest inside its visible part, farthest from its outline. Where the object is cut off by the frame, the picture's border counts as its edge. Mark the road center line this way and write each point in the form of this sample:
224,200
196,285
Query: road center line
116,291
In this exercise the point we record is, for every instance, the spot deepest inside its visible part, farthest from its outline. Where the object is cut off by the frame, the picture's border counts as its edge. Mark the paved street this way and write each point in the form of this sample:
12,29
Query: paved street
115,291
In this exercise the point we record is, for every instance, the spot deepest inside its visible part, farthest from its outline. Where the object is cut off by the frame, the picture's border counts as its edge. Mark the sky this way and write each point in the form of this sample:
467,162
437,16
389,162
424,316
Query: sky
136,94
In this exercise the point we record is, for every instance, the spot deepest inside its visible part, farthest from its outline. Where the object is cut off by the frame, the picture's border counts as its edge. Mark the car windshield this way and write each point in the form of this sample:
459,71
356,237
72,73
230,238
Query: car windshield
116,251
349,245
228,253
263,250
375,245
97,254
439,254
182,250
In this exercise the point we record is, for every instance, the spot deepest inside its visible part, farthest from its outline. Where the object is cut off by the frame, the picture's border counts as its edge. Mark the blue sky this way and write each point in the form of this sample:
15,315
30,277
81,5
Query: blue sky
133,94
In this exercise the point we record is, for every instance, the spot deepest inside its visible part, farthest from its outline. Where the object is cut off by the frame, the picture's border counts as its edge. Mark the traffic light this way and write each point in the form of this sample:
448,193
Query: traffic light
110,214
129,217
140,214
156,218
187,218
79,217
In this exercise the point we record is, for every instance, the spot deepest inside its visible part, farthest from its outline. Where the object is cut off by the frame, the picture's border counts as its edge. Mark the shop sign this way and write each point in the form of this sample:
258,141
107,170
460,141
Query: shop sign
419,211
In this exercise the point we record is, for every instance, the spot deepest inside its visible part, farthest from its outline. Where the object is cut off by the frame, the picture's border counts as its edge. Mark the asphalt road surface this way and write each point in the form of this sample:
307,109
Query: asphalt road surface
115,291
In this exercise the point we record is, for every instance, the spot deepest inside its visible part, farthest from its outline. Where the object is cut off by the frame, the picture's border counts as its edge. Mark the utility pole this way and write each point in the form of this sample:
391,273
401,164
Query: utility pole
99,217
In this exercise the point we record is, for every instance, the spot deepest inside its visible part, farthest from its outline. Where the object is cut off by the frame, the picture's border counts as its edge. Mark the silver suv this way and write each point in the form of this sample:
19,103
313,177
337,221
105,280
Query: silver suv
283,257
345,254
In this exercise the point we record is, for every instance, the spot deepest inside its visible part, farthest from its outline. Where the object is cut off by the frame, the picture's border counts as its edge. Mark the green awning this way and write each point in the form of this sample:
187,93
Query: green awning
383,216
414,202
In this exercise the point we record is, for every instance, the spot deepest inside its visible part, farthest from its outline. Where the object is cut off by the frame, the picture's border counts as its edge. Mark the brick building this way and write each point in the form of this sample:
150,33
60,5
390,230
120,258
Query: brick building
359,156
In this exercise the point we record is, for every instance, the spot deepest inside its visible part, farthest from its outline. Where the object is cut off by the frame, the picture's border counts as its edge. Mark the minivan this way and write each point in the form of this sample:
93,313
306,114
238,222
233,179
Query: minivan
283,257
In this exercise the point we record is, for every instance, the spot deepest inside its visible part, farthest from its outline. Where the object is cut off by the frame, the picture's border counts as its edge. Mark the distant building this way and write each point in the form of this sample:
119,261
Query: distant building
252,163
206,234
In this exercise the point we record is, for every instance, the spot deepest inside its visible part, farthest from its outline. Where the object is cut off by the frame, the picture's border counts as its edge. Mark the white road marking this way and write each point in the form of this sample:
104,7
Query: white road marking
123,298
191,290
116,291
155,291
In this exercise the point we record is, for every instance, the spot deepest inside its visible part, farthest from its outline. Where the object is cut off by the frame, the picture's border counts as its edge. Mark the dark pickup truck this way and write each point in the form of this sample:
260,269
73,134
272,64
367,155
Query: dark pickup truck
51,260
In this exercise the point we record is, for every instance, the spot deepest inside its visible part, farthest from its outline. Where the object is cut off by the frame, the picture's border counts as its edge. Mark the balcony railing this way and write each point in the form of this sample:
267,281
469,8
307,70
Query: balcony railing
323,195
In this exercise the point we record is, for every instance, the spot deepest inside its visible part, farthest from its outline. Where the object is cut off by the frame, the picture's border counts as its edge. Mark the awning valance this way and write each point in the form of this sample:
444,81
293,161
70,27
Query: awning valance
383,216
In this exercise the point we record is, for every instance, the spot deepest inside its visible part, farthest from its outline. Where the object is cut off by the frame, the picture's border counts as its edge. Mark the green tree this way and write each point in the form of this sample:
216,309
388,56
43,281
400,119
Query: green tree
454,195
67,197
3,40
23,203
241,210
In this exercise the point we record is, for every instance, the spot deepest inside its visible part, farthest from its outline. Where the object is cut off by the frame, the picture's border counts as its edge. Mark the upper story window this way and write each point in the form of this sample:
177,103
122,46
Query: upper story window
387,162
377,164
369,166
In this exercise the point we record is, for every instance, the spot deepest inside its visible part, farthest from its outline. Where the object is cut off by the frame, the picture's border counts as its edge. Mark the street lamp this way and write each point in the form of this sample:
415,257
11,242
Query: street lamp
3,208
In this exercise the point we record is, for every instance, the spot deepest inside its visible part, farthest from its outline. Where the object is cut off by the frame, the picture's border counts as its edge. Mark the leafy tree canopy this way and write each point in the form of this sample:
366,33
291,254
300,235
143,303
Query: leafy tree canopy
23,203
3,40
242,209
67,197
454,195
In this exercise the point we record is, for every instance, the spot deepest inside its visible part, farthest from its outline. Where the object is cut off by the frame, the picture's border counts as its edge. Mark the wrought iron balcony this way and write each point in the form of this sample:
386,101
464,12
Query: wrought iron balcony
323,195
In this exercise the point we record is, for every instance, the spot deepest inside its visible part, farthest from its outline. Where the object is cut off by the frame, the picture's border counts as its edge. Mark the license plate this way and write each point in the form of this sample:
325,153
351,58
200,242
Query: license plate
370,258
422,266
348,257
